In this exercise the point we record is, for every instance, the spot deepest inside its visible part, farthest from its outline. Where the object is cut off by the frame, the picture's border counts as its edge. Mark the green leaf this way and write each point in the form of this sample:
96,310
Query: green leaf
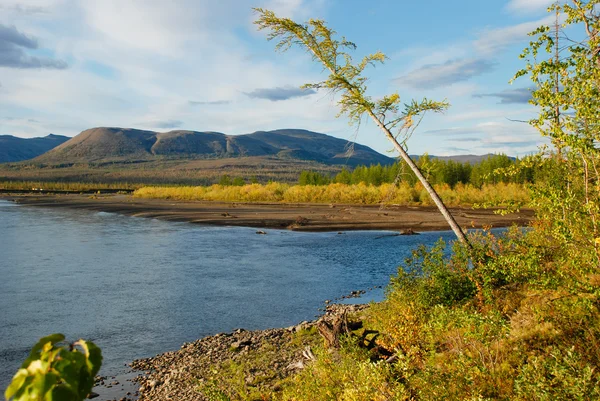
94,356
16,383
56,372
35,351
62,393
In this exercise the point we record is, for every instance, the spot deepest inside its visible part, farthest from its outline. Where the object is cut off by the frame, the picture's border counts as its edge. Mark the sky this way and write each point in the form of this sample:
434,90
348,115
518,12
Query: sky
70,65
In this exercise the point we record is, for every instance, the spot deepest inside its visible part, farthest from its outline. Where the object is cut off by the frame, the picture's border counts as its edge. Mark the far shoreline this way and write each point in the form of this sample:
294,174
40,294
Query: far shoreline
297,217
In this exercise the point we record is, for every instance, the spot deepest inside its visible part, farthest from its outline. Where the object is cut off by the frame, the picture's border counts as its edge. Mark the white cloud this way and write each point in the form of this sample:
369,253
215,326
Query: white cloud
474,112
162,27
491,41
520,6
284,8
493,136
439,75
161,55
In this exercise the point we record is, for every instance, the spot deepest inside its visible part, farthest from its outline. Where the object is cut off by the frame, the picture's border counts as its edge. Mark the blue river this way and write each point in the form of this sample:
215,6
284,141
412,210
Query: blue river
138,287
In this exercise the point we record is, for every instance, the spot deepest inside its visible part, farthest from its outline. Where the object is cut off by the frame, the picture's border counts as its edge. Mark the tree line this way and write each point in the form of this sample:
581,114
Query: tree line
494,169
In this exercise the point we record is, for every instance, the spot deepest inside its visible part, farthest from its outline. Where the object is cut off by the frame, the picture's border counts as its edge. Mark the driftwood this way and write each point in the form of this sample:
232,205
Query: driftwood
331,331
308,355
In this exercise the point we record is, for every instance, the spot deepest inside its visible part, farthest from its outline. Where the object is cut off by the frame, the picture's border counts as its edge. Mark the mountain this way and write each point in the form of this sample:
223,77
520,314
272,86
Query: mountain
103,144
14,149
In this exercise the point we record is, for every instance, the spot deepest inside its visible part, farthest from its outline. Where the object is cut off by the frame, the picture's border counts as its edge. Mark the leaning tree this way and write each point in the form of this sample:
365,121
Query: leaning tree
346,79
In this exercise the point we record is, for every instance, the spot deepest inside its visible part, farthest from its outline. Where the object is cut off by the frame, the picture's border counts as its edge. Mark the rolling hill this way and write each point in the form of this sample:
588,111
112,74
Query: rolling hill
14,149
101,145
126,155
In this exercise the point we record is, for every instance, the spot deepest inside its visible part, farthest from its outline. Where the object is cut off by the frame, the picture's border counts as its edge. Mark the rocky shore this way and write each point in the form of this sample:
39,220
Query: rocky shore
249,362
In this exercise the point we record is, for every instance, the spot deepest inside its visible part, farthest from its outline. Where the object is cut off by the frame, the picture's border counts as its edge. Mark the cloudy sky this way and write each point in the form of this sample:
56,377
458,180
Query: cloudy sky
69,65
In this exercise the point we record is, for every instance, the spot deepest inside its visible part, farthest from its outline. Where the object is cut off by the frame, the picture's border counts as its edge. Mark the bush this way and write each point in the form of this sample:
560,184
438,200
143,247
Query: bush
56,372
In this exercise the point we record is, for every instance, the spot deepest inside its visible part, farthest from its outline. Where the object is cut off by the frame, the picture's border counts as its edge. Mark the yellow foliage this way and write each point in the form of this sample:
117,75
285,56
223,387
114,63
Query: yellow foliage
390,194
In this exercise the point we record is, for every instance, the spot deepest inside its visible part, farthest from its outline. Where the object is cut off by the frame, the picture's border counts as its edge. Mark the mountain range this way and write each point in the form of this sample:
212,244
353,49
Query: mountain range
14,149
126,155
103,144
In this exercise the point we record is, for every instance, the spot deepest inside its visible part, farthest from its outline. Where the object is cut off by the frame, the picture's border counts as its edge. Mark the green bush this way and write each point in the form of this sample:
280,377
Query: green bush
56,371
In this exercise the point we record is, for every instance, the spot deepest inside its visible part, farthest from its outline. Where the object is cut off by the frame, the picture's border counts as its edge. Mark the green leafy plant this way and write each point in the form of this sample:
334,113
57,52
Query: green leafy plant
564,64
56,370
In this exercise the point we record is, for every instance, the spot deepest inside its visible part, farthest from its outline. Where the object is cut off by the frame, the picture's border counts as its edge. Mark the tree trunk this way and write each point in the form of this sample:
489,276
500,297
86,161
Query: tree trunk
434,195
331,332
436,198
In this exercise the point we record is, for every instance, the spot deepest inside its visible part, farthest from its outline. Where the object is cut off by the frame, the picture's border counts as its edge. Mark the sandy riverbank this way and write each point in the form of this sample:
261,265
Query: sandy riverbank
305,217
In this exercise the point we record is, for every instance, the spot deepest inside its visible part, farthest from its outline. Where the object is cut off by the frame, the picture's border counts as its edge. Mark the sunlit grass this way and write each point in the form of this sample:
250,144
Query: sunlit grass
65,186
404,194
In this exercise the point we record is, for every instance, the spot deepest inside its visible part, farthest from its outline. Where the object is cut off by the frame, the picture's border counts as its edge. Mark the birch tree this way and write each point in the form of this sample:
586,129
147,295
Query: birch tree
397,121
563,61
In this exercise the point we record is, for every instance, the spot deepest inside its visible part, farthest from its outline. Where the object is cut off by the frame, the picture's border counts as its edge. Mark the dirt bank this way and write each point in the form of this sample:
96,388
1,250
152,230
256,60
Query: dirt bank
305,217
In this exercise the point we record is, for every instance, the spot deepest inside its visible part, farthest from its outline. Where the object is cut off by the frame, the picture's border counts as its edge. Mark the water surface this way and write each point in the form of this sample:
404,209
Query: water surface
138,287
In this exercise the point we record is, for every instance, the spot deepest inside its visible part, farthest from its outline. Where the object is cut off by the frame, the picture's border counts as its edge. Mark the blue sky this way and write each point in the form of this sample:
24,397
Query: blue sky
69,65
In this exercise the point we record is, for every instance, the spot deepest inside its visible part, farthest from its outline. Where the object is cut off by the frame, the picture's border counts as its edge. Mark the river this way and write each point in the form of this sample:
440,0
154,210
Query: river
138,287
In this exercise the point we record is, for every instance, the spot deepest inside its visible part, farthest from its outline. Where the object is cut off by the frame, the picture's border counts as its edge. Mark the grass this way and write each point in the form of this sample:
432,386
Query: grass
164,171
255,374
65,186
404,194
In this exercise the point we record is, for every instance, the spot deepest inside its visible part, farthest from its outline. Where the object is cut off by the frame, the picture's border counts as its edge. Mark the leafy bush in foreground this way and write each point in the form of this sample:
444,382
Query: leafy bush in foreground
56,372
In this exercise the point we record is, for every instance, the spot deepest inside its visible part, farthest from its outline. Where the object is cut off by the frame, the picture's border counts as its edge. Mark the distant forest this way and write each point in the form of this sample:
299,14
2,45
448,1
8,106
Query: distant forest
495,169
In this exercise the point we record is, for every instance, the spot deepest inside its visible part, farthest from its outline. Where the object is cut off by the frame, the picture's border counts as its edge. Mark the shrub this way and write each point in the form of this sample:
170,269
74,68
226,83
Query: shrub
56,372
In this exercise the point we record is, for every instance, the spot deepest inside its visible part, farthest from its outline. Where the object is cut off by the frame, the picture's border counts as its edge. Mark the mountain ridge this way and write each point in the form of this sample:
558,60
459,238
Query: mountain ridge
15,149
114,144
120,144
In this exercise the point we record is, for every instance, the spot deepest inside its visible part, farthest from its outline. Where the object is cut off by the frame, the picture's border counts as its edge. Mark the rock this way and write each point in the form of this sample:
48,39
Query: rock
93,395
408,231
298,365
241,343
261,232
176,375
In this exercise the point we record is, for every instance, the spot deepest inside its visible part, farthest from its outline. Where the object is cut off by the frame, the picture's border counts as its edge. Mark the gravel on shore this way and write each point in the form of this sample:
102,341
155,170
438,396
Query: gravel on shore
256,361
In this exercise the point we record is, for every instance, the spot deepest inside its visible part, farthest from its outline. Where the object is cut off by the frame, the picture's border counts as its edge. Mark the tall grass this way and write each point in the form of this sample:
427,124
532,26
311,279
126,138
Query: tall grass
404,194
64,186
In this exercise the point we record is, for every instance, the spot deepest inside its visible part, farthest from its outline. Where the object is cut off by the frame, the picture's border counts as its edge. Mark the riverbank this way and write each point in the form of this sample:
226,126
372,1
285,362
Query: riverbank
252,363
302,217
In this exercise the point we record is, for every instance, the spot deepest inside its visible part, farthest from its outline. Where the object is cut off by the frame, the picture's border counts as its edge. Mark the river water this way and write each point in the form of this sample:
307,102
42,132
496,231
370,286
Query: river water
138,287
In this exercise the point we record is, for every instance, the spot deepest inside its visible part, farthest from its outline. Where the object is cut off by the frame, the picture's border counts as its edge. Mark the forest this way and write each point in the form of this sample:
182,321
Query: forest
492,170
